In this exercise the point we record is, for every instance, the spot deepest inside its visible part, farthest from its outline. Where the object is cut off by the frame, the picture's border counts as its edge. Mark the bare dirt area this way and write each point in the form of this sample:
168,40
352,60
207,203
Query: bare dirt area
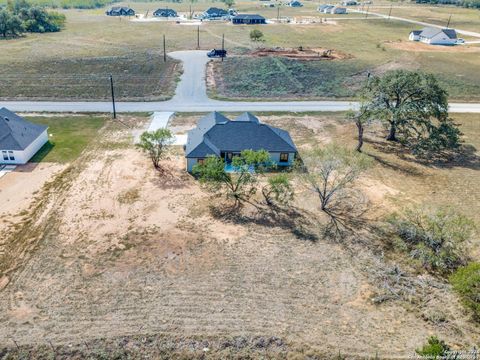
419,46
302,53
126,258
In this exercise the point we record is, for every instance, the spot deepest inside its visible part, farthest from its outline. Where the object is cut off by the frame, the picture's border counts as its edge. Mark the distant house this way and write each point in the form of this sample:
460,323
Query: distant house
165,13
295,3
435,36
248,19
323,8
349,3
216,135
19,138
338,10
120,11
214,13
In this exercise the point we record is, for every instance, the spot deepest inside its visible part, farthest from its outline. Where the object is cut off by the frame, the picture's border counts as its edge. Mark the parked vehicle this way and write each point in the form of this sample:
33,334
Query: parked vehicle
460,41
214,53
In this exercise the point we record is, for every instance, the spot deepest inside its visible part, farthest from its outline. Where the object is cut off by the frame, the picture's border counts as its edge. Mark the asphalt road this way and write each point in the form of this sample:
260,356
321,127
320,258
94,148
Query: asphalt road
191,96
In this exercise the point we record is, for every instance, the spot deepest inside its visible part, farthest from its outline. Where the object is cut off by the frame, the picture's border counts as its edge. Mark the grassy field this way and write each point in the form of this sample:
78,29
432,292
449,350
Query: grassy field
69,136
75,63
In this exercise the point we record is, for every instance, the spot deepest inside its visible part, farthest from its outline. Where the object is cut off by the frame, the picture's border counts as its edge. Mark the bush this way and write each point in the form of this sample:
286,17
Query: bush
466,282
434,349
435,238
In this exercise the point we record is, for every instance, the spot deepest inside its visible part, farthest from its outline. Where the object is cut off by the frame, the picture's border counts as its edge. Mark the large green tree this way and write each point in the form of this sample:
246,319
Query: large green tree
415,108
10,24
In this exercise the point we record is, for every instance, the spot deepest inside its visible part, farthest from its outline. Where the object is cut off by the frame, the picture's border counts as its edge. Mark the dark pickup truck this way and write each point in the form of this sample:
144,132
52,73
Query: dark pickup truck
217,53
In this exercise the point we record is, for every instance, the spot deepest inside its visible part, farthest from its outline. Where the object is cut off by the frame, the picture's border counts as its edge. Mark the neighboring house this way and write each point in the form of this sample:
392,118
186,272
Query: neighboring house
248,19
295,3
120,11
19,138
435,36
338,10
216,135
324,7
165,13
349,3
214,13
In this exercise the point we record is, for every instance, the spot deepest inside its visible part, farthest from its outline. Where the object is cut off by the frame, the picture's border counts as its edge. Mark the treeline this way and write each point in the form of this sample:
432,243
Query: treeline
19,17
472,4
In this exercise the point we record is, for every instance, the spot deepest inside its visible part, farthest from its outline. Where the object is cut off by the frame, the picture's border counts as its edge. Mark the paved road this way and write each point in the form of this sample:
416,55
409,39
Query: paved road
463,32
190,96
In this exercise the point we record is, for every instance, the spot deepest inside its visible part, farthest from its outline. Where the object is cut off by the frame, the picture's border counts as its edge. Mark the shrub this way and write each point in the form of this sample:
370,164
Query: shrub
435,238
434,349
466,282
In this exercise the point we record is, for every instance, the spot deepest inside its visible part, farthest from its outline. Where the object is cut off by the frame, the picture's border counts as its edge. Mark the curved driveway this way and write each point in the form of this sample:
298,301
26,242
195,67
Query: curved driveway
191,96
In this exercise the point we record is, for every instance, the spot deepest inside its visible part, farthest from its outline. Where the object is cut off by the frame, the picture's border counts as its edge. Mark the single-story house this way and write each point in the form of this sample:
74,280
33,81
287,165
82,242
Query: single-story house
165,13
19,138
214,13
434,36
120,11
295,3
324,7
349,3
216,135
338,10
248,19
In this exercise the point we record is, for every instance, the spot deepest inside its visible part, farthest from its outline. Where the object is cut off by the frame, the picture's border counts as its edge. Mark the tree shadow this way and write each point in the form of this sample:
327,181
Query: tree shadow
291,219
464,156
168,178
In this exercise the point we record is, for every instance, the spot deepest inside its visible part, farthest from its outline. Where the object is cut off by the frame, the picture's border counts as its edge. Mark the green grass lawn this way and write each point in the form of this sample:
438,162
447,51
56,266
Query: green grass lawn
69,136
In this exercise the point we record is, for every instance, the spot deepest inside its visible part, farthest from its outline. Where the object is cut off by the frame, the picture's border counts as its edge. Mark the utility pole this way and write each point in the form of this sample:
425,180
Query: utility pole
190,12
164,50
198,37
390,12
113,97
366,14
278,12
223,45
449,18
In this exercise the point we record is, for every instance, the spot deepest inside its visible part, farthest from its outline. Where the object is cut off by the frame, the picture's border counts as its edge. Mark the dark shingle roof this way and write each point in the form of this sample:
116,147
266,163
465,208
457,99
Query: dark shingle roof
16,133
416,32
249,17
216,11
165,13
245,132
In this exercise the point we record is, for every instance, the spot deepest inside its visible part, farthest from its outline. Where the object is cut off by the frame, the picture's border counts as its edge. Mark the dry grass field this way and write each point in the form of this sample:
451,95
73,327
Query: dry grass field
116,259
75,63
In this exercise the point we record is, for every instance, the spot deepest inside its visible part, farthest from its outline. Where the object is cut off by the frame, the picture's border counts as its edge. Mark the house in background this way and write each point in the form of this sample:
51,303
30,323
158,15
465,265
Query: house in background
434,36
120,11
165,13
214,13
325,8
338,10
248,19
349,3
19,138
295,3
216,135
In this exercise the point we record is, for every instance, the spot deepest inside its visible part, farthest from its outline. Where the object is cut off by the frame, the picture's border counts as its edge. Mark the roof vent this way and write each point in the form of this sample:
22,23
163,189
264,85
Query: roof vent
6,119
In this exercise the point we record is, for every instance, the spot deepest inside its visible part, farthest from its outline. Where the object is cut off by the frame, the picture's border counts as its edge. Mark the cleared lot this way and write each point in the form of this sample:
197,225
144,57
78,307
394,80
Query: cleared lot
118,251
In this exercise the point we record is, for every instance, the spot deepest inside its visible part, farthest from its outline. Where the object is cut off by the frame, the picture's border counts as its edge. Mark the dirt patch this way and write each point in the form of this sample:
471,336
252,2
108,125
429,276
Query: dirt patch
302,53
419,46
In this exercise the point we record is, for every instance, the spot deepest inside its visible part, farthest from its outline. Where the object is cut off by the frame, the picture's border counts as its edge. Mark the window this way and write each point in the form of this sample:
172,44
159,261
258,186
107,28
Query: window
5,156
283,157
201,161
10,153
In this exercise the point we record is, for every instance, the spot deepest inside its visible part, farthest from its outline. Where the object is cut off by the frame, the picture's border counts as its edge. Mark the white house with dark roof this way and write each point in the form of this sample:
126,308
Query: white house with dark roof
120,11
434,36
19,138
216,135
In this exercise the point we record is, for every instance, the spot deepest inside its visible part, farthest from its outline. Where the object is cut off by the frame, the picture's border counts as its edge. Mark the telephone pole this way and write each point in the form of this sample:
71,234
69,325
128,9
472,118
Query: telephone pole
198,37
164,50
366,14
113,97
390,12
449,18
278,12
223,45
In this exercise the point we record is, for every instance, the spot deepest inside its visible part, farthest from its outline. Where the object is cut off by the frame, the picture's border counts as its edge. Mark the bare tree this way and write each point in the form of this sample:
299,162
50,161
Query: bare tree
329,173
